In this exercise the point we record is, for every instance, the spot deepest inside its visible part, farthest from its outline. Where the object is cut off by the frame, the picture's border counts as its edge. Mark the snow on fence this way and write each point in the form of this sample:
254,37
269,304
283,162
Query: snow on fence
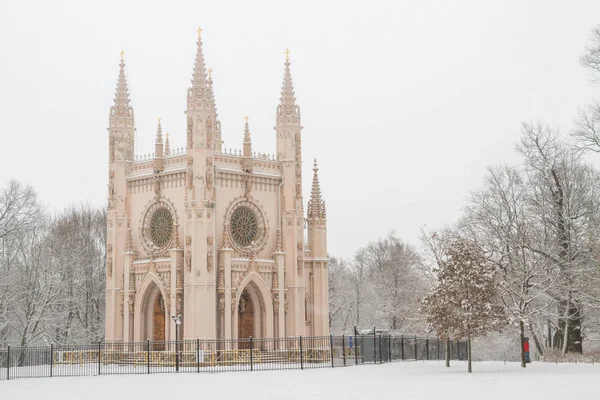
203,355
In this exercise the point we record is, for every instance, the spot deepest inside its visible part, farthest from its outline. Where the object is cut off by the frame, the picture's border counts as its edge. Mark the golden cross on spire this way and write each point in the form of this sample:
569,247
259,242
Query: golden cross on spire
167,135
199,30
159,120
246,118
122,54
210,73
287,54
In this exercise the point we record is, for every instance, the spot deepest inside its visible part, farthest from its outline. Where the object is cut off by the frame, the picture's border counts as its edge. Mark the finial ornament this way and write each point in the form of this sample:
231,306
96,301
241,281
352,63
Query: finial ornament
122,54
246,118
159,120
210,73
287,54
199,30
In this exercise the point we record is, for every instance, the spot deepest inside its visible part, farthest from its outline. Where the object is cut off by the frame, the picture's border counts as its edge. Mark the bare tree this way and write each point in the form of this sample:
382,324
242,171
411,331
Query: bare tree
591,58
77,240
341,292
51,271
565,198
498,218
19,208
587,122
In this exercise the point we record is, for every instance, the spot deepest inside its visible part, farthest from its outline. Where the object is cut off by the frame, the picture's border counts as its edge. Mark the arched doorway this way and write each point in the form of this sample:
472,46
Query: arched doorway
254,310
154,317
158,319
245,316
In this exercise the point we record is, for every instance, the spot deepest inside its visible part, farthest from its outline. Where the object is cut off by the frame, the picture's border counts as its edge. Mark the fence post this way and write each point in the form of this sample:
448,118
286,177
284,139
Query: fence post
374,346
355,348
99,344
344,349
8,364
198,355
148,354
380,356
251,358
389,347
402,346
331,347
51,359
416,339
176,351
301,355
427,347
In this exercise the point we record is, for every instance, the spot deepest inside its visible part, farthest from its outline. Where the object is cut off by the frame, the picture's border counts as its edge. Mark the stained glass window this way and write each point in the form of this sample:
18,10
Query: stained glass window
161,227
244,226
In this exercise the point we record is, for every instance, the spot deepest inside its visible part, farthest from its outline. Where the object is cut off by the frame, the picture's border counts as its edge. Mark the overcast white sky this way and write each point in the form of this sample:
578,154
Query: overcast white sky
403,103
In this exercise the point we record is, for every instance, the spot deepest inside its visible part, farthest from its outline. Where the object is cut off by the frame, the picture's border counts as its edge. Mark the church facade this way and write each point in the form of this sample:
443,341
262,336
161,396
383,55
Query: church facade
219,237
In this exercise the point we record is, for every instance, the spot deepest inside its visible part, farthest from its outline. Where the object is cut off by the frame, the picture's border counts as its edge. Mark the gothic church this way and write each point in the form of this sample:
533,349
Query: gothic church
217,236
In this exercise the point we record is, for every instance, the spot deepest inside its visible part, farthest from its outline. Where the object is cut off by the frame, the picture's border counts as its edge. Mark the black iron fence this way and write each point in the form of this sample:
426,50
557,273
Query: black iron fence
201,355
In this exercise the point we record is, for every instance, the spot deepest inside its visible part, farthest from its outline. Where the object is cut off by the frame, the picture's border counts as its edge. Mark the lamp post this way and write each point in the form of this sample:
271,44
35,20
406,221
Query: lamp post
177,320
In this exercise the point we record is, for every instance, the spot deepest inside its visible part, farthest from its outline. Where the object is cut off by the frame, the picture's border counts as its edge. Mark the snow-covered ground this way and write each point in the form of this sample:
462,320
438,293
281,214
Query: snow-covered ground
400,380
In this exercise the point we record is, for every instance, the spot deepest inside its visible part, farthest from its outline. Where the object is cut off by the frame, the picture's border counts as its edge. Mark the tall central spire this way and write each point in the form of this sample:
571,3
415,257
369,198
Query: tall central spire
198,93
121,121
287,110
121,107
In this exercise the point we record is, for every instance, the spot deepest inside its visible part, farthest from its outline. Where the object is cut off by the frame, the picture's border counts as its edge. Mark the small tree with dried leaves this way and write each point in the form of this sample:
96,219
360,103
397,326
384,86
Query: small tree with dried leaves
465,301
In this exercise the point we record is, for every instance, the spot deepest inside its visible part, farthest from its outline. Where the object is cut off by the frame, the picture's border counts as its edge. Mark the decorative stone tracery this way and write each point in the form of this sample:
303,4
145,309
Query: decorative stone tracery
246,226
157,227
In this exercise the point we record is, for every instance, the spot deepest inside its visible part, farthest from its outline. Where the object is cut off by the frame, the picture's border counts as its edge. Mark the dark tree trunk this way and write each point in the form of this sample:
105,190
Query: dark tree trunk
538,344
448,351
470,369
522,336
570,318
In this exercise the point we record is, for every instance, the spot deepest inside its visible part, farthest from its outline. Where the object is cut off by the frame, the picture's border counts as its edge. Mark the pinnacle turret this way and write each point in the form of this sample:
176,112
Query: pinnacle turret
121,107
159,164
159,139
167,145
316,205
247,162
247,152
287,110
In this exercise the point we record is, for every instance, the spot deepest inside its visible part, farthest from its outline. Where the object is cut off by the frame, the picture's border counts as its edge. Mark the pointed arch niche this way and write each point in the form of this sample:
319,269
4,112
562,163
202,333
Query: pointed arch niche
151,319
253,314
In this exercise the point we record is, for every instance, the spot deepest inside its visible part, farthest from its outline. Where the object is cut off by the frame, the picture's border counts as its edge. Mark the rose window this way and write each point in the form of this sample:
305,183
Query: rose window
244,226
161,227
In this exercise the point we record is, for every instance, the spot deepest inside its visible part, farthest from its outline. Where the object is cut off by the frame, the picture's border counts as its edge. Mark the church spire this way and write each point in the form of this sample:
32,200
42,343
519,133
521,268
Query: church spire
121,121
287,110
316,205
121,107
198,93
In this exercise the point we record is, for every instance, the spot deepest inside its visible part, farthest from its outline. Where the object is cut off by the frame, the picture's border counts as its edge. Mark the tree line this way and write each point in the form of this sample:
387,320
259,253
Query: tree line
52,280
